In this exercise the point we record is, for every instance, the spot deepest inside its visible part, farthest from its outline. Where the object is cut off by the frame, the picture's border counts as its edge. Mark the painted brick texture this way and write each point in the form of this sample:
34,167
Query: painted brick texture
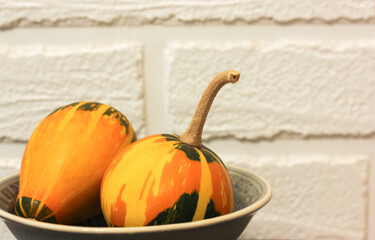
305,202
306,88
93,13
35,80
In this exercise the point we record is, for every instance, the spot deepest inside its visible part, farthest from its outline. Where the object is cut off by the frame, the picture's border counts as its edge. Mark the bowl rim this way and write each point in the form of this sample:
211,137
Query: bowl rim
249,210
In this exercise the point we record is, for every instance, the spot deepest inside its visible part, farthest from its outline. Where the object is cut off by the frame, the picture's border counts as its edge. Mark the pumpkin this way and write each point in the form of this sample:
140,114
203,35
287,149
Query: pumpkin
166,178
65,159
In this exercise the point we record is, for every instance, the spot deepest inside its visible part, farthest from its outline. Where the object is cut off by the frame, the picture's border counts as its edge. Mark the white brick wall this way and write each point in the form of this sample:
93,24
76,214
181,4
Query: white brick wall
312,88
302,114
88,13
37,79
305,202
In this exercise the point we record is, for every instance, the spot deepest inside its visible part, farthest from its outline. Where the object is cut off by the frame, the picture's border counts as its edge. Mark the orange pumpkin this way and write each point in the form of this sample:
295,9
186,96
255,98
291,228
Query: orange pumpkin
166,178
156,177
65,159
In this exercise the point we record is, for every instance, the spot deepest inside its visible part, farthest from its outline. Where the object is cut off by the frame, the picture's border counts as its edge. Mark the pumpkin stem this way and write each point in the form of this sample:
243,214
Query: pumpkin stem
193,135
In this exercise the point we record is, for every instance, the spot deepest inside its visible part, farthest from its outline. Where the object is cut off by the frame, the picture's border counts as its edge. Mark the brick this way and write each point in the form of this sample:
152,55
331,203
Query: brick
94,13
314,197
304,88
37,79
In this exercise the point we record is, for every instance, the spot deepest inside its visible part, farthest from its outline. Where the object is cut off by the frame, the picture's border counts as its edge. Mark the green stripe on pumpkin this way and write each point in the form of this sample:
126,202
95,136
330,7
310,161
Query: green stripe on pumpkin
90,106
171,137
210,155
93,106
183,210
63,107
119,116
30,207
211,211
191,152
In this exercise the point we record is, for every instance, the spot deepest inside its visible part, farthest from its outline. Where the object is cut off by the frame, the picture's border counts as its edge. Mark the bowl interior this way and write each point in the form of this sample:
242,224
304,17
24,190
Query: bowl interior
251,192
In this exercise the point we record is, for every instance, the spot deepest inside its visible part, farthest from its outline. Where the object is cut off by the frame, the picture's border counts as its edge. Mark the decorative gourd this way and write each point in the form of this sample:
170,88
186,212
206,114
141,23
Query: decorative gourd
165,178
65,159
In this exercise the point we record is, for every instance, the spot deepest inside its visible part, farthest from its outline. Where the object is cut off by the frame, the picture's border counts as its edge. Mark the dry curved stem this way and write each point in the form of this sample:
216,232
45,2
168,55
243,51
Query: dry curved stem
193,134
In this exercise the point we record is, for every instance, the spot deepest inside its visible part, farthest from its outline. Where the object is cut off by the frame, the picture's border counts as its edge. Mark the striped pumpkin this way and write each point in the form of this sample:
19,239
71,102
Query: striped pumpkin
160,180
65,159
166,178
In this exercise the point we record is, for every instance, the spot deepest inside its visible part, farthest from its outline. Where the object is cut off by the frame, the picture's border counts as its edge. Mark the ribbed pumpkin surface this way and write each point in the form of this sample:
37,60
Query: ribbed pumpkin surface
65,159
159,180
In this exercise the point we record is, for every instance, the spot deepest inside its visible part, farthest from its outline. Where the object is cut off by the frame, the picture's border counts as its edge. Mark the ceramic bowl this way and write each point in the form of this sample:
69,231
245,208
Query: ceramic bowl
251,193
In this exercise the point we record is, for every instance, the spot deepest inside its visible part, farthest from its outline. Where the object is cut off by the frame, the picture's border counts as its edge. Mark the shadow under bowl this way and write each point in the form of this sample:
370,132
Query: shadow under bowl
251,193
